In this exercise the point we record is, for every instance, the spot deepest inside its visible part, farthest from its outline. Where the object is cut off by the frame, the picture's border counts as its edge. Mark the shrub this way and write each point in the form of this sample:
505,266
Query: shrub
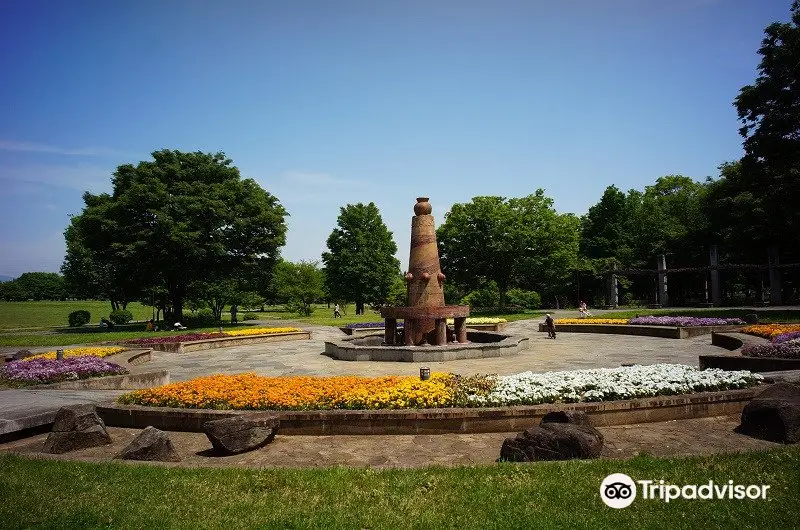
202,318
250,316
522,298
120,316
79,318
296,306
486,296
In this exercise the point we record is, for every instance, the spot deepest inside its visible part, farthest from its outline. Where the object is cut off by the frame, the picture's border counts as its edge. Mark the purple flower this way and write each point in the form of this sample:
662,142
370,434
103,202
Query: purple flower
361,325
783,337
40,371
785,350
685,321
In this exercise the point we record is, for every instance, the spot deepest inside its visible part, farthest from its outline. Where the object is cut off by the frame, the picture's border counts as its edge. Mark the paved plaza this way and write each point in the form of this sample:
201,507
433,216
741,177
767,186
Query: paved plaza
569,351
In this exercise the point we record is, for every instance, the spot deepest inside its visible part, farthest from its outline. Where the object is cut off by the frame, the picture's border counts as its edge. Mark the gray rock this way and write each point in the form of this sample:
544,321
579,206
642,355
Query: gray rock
21,354
577,417
774,414
151,445
76,427
242,433
553,441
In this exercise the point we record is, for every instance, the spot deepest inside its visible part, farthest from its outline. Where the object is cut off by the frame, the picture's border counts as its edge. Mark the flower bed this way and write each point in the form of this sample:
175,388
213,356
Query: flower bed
470,320
786,337
789,349
251,392
93,351
42,371
188,337
591,321
685,321
769,331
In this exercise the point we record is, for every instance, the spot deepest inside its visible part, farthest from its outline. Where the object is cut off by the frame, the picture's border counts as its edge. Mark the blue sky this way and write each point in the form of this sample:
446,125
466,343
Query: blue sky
329,102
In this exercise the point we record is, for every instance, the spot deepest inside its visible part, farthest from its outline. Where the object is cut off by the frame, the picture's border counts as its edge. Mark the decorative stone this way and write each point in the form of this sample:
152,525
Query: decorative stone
774,414
76,427
577,417
553,441
21,354
152,445
242,433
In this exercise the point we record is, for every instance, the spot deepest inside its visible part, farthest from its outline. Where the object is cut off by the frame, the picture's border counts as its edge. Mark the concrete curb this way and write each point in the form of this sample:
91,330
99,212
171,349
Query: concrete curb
111,382
445,420
736,361
223,342
665,332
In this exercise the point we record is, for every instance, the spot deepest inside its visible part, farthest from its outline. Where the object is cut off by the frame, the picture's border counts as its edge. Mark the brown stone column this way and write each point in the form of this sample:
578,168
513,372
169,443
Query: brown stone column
460,325
441,332
408,332
390,330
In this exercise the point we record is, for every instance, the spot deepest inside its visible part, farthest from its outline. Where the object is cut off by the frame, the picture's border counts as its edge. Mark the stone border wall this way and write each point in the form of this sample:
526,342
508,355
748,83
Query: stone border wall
446,420
345,350
665,332
224,342
736,361
112,382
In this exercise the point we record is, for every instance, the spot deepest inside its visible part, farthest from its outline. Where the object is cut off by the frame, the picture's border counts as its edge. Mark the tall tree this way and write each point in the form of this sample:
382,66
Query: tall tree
300,284
518,242
360,263
178,220
769,111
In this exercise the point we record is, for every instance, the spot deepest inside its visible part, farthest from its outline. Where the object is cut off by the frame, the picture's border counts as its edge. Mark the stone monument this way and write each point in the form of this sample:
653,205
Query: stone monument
425,317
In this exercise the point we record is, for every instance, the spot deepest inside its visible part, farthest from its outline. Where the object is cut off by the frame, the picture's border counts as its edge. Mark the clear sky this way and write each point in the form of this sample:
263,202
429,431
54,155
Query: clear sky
329,102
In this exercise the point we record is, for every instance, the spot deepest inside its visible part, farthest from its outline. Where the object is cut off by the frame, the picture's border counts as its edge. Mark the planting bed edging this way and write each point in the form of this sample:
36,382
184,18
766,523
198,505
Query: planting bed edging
223,342
136,381
736,361
445,420
666,332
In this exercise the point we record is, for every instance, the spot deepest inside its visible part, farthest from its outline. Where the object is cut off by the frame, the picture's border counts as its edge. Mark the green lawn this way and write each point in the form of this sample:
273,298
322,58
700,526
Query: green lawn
55,494
49,314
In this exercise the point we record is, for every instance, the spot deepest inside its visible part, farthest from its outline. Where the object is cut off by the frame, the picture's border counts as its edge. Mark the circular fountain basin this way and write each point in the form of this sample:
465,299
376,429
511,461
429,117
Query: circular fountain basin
481,344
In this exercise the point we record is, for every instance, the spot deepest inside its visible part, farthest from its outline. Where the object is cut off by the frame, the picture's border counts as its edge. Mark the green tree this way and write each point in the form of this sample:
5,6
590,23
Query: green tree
300,284
519,242
34,286
177,221
769,110
360,263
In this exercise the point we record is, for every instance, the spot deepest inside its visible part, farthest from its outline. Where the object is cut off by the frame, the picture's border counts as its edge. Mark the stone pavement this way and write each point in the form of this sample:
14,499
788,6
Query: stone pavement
569,351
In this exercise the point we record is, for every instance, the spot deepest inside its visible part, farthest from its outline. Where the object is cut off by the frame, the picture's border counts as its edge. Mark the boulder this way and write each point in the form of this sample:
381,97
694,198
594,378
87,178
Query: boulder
553,441
577,417
242,433
151,445
21,354
76,427
774,414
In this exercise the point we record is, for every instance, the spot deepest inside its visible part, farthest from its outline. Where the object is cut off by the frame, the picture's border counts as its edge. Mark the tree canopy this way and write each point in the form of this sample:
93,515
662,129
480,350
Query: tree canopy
519,242
174,224
360,264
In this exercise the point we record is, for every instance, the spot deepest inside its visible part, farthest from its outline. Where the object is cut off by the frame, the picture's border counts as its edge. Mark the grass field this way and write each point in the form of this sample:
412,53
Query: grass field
49,314
55,494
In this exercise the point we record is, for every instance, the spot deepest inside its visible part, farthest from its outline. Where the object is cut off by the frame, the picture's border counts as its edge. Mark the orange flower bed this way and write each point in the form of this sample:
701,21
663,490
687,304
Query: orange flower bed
252,392
770,331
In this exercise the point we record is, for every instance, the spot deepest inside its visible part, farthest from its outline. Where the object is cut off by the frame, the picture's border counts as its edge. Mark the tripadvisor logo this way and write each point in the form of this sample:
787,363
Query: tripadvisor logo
618,490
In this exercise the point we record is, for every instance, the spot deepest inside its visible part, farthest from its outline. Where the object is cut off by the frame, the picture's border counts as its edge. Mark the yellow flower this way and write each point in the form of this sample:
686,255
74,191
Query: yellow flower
95,351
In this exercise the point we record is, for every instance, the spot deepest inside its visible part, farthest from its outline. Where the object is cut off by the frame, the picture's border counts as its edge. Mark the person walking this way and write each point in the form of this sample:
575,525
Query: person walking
337,312
551,326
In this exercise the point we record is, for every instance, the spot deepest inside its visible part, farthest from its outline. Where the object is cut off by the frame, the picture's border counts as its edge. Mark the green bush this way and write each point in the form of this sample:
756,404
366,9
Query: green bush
524,299
79,318
120,316
203,318
487,296
250,316
298,307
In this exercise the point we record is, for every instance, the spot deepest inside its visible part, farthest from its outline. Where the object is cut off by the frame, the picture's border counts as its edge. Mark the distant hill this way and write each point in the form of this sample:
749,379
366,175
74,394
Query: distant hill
5,278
